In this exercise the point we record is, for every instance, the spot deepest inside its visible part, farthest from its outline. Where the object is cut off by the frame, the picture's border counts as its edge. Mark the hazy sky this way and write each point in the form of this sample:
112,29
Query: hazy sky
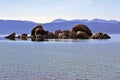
48,10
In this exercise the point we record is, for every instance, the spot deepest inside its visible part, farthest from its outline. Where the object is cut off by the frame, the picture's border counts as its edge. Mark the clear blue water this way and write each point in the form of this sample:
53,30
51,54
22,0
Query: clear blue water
60,59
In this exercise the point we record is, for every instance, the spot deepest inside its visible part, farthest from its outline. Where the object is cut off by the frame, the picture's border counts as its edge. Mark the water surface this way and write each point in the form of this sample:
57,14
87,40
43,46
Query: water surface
60,59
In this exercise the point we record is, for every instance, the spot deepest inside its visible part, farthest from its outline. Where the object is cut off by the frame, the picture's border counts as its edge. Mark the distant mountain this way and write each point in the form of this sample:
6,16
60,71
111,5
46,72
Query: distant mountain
104,21
96,25
85,21
78,20
58,21
8,26
111,28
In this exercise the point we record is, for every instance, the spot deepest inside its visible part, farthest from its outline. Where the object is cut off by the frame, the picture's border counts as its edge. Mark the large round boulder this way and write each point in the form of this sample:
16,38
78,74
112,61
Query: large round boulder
38,29
81,27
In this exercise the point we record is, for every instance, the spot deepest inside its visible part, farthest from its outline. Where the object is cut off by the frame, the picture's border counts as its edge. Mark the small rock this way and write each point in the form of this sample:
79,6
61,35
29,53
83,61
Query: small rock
51,35
23,36
100,35
11,36
57,33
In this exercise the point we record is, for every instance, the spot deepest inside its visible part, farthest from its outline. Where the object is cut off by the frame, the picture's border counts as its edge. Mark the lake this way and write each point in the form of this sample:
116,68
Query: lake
60,59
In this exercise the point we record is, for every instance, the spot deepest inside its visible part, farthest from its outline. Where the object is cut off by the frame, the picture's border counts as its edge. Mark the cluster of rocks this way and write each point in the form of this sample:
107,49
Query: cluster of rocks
79,31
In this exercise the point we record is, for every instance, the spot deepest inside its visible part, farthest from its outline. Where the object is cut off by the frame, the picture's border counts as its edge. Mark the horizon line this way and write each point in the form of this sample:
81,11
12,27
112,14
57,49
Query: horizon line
61,19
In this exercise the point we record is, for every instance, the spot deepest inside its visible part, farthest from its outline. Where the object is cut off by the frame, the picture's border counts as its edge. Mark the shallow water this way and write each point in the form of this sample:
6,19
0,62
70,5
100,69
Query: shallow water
60,59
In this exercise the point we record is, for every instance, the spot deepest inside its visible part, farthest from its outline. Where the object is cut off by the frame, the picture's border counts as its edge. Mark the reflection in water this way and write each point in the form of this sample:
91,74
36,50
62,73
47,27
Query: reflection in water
39,39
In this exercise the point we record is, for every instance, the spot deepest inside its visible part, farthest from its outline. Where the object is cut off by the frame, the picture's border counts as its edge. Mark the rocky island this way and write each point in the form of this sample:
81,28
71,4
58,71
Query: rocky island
78,31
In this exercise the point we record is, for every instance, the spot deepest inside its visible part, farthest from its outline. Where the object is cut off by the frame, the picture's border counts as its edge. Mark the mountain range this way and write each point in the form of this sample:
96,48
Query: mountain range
96,25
